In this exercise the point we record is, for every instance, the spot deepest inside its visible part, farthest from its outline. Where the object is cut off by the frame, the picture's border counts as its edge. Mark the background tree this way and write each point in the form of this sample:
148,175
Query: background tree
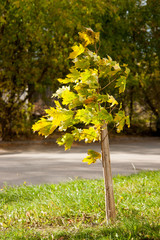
34,42
35,38
84,100
131,35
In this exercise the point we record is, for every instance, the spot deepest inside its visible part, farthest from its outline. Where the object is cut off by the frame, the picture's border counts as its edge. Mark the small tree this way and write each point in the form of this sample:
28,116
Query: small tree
86,98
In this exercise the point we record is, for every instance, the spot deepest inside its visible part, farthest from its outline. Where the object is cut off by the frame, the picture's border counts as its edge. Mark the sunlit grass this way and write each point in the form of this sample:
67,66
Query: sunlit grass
76,210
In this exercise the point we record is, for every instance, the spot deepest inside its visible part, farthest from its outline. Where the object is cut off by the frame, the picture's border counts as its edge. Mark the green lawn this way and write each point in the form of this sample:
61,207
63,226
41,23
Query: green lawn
75,210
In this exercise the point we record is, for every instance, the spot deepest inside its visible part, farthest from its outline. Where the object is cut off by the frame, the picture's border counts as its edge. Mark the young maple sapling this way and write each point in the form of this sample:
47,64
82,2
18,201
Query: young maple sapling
85,98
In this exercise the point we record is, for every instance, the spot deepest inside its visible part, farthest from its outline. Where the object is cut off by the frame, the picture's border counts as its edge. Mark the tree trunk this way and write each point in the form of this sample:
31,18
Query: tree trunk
109,195
131,104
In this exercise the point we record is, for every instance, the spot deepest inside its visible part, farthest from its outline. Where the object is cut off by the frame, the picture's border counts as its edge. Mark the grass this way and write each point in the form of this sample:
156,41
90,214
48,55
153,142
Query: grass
75,210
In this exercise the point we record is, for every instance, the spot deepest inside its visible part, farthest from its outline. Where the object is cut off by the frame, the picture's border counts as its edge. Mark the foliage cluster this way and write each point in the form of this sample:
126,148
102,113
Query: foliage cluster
131,36
85,100
65,211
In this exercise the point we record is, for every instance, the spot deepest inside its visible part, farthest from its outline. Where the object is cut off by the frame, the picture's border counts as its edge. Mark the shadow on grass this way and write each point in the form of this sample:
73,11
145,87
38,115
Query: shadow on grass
124,231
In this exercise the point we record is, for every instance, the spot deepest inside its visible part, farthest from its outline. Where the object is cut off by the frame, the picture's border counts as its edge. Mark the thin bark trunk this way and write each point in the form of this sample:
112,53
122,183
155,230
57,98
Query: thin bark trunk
131,104
109,195
149,102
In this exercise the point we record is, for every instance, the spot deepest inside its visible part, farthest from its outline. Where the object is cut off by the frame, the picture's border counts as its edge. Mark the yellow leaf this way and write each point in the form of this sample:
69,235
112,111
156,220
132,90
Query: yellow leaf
120,120
77,50
89,36
89,160
44,127
67,140
112,100
97,36
92,158
87,39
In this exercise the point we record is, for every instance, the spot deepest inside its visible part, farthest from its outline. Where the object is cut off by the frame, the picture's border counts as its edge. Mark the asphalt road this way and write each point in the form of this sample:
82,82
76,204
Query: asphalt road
45,162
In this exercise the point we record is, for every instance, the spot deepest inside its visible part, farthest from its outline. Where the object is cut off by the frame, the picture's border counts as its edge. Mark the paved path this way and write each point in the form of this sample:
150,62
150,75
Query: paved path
45,162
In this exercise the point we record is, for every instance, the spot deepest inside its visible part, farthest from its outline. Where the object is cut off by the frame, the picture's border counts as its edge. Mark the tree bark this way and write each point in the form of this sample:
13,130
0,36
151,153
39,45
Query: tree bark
109,195
131,104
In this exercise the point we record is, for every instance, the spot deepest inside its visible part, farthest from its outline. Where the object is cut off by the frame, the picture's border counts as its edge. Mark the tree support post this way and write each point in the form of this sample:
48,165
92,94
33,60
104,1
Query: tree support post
109,195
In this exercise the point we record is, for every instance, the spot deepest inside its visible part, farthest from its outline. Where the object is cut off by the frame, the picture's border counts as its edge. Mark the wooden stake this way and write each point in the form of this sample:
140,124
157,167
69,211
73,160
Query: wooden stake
109,195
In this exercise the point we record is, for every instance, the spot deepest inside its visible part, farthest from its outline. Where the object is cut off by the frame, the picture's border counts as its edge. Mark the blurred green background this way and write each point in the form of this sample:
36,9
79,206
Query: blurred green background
36,39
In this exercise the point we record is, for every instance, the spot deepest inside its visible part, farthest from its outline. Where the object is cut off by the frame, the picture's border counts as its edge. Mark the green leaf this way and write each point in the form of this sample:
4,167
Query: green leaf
77,50
121,84
82,63
127,71
104,115
91,134
71,77
92,158
82,89
112,73
74,74
102,98
120,120
84,115
68,123
66,140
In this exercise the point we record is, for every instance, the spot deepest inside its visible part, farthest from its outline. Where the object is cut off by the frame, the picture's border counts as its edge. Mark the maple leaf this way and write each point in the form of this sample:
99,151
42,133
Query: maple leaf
66,140
92,158
121,84
60,91
84,115
77,50
104,115
90,100
85,75
82,63
44,127
112,100
68,97
65,80
102,98
120,120
88,39
89,135
74,74
89,36
60,117
127,71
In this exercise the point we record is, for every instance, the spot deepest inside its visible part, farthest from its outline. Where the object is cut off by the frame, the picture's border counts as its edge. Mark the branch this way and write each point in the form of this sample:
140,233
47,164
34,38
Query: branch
107,84
99,46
